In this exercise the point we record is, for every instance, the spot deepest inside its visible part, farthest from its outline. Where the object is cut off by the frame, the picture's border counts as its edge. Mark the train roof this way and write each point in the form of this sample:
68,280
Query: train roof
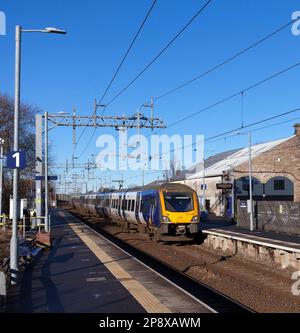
161,186
167,187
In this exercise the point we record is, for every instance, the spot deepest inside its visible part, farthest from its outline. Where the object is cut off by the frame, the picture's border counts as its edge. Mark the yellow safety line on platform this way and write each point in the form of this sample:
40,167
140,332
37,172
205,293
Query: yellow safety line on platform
148,301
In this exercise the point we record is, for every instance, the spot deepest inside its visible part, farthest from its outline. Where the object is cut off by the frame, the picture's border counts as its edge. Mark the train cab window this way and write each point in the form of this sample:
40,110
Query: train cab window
178,202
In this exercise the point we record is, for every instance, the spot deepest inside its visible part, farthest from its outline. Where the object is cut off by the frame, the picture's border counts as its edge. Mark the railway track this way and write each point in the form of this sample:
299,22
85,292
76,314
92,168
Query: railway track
214,299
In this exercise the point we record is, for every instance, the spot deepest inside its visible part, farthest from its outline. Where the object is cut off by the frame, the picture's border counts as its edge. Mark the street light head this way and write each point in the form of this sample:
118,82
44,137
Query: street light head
52,30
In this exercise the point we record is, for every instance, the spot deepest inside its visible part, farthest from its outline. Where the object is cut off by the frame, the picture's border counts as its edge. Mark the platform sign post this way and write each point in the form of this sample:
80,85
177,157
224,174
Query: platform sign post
14,238
46,173
38,168
1,174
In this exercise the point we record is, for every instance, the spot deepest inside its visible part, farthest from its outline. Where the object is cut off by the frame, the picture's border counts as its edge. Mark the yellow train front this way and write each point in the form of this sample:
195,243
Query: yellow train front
171,211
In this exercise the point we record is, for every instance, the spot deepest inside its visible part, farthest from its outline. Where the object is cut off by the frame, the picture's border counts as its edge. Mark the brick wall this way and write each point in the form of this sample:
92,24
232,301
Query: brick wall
282,160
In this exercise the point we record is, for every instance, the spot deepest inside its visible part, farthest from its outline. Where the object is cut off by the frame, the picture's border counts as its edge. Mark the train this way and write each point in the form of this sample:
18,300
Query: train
166,211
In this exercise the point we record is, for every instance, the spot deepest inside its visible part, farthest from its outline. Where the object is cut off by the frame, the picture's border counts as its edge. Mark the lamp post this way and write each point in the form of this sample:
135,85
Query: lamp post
46,174
250,178
1,173
14,237
250,183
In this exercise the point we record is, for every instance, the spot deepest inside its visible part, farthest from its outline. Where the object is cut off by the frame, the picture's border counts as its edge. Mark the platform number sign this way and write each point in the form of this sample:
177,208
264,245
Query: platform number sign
16,160
203,187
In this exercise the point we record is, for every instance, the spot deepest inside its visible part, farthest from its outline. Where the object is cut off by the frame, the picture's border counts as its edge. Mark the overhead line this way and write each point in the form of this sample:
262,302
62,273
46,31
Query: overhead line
117,70
232,96
225,133
230,131
225,61
151,62
161,52
128,50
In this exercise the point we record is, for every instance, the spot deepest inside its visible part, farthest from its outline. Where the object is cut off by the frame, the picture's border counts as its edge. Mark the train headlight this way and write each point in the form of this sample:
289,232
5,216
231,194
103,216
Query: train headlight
195,219
166,219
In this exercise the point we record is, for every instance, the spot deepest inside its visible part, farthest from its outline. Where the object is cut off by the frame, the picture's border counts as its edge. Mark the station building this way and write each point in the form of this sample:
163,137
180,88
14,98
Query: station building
275,177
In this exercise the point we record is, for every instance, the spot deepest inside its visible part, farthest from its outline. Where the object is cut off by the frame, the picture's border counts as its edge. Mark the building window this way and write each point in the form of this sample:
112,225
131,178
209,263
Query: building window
246,185
279,185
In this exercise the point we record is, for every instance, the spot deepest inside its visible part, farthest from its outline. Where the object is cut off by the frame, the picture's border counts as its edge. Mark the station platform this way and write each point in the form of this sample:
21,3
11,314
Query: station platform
227,228
85,273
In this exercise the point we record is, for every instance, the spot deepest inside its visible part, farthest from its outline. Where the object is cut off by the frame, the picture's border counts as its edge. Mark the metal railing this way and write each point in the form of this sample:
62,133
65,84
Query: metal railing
5,222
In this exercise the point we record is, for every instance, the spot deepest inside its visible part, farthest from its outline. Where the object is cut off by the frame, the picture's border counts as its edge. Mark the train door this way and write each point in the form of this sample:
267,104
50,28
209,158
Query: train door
154,214
124,207
137,207
120,207
146,208
152,209
142,214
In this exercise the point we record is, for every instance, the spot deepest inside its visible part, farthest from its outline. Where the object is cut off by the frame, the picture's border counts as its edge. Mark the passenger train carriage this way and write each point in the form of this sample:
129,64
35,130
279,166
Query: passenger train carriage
166,210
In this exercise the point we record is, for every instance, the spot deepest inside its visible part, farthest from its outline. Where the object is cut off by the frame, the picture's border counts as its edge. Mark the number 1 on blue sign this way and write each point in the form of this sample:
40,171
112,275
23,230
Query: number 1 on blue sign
16,156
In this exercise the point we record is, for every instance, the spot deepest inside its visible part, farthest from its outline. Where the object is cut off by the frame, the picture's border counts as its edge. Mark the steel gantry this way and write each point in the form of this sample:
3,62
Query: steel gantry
138,120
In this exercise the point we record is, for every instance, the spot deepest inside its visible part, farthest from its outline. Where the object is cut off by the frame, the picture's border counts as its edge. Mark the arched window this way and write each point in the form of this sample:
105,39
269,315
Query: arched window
242,188
279,188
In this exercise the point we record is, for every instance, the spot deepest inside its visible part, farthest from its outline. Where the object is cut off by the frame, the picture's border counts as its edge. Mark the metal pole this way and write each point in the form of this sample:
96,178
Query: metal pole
203,182
1,174
38,169
14,238
46,173
250,184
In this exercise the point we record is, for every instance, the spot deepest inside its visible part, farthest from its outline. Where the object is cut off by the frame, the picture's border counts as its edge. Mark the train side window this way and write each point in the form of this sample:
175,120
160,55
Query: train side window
132,205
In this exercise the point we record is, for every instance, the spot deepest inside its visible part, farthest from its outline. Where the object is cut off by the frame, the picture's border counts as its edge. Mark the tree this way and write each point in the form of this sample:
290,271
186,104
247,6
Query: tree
27,143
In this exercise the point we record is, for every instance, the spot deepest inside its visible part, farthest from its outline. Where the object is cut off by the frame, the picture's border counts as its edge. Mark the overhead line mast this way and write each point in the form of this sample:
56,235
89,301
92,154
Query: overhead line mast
98,104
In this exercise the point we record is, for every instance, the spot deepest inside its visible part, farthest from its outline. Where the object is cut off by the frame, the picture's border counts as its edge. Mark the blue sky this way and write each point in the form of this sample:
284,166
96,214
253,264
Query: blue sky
63,72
